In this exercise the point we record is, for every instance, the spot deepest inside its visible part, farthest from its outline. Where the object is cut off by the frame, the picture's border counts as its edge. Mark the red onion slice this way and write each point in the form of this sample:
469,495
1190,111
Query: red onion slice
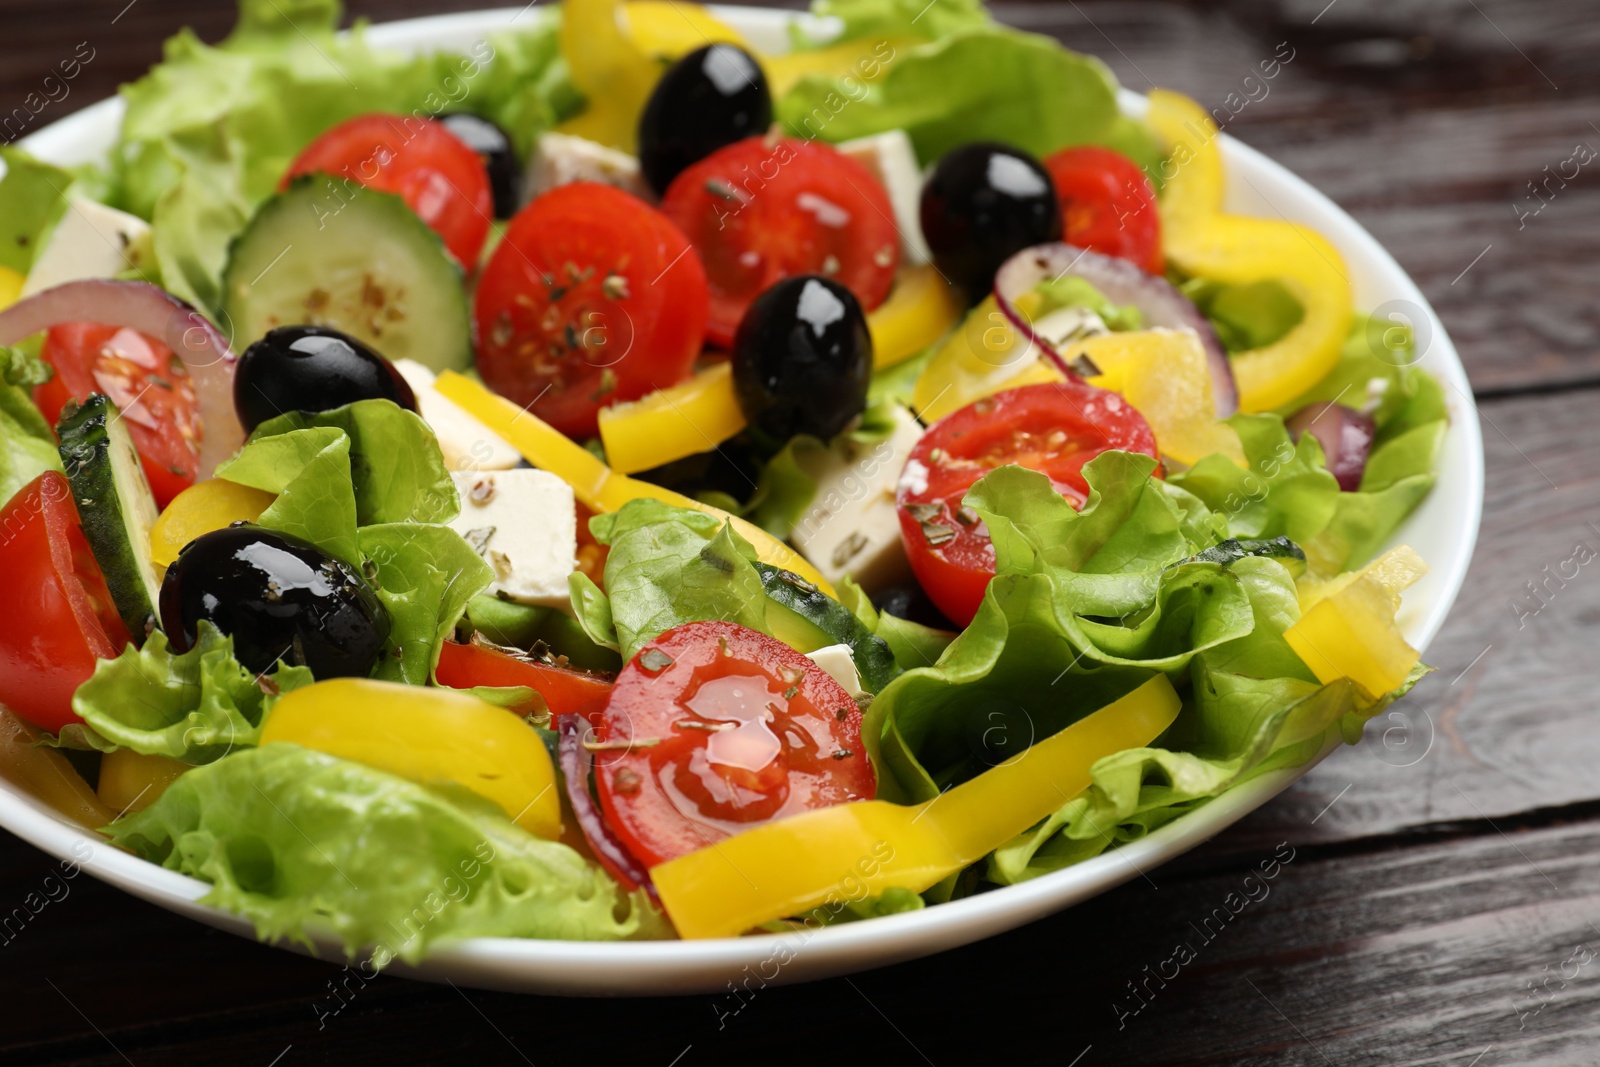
1345,435
154,311
1122,283
576,762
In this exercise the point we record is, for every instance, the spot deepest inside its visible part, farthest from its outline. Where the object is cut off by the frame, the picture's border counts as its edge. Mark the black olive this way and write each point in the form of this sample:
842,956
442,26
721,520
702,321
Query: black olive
712,97
998,729
982,204
494,148
908,601
802,359
279,597
311,368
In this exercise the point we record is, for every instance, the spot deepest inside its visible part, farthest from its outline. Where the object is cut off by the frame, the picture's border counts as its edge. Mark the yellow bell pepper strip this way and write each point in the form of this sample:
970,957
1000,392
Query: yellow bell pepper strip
132,781
430,736
1348,629
1201,240
791,866
611,70
921,308
1166,376
698,414
691,417
201,508
10,286
596,485
45,775
863,58
666,29
979,358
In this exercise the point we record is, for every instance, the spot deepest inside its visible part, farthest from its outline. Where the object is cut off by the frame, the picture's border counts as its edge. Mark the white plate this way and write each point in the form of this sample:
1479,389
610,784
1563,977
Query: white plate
1444,530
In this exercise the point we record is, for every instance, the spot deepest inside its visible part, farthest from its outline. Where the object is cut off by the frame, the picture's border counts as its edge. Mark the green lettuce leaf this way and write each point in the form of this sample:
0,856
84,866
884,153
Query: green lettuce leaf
983,84
310,471
1247,315
27,443
425,576
896,19
911,643
196,706
33,196
299,842
210,130
1285,491
396,471
669,566
1072,291
788,484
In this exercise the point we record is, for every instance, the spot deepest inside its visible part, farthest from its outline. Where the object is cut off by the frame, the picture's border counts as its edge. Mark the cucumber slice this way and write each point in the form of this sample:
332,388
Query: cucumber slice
1232,550
806,619
115,506
357,260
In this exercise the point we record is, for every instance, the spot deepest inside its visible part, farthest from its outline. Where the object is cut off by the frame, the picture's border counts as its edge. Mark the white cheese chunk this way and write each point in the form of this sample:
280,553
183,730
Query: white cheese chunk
893,162
852,526
467,444
524,523
1066,325
841,667
561,159
90,241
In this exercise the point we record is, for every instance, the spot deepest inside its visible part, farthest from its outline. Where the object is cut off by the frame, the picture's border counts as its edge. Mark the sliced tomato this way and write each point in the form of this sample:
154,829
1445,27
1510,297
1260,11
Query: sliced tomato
714,728
1108,205
593,297
1051,428
59,618
759,212
565,690
418,160
148,383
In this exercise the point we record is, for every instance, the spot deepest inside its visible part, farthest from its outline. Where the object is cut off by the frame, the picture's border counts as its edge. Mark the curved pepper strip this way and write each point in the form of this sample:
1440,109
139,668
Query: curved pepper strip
1201,241
1347,627
596,485
132,781
45,775
980,358
698,414
691,417
791,866
429,736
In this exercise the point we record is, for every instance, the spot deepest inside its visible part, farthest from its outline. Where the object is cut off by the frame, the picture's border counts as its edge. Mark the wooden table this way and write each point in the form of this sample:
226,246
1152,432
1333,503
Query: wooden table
1442,904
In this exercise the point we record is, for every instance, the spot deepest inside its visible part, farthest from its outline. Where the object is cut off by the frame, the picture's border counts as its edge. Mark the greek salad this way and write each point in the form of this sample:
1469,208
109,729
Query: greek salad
616,482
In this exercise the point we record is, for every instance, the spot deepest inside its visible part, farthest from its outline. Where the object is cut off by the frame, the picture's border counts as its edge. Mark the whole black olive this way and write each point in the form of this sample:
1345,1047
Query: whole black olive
983,203
494,148
279,597
802,359
712,97
311,368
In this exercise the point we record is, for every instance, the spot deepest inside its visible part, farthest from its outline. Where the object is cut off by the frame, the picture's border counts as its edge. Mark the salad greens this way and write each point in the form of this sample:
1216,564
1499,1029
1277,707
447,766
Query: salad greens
196,706
986,84
210,130
299,842
1071,290
27,443
34,195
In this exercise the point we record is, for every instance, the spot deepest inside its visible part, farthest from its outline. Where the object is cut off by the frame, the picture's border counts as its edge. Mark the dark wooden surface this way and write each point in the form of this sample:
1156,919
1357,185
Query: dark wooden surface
1443,901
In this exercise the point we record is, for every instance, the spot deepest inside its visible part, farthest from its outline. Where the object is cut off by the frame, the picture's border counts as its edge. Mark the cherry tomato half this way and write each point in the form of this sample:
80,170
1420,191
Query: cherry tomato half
593,297
730,728
1051,428
565,690
59,617
1107,205
426,165
760,212
147,382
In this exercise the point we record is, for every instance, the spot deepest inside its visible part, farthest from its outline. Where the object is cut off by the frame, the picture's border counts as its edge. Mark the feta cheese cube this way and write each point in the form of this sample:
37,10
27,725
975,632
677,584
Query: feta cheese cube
90,241
561,159
841,667
852,527
524,523
893,162
467,444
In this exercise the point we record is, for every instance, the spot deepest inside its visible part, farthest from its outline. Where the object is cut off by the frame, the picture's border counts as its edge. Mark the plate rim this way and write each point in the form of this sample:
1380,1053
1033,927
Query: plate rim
679,967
